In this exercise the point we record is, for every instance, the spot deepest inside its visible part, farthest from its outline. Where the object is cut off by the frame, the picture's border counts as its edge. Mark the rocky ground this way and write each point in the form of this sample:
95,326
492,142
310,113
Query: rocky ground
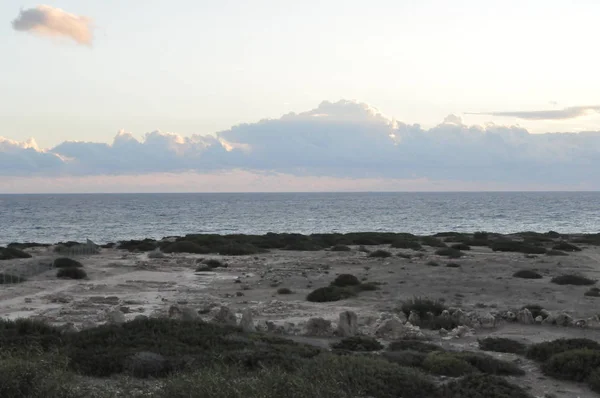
482,293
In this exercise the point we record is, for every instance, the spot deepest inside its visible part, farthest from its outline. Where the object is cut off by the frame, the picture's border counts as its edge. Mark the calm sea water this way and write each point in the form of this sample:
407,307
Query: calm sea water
112,217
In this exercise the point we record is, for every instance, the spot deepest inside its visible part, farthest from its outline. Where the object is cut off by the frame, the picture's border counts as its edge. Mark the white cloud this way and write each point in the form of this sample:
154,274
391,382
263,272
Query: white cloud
49,21
553,114
345,139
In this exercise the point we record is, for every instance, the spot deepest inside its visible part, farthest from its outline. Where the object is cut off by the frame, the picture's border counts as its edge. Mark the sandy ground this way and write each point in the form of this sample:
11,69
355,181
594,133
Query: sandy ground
138,285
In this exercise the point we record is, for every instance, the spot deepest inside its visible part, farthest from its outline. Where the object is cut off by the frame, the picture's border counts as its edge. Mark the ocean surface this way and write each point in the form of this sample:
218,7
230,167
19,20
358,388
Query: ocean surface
112,217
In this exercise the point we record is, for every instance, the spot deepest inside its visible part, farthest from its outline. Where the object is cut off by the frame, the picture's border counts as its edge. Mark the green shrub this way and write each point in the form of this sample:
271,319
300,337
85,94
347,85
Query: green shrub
460,246
593,381
9,253
571,279
363,249
501,344
185,246
566,247
432,241
527,274
380,254
345,280
449,252
576,365
341,248
284,290
406,244
516,246
453,265
330,293
543,351
555,253
413,345
9,279
368,286
65,262
238,249
358,343
146,245
490,365
214,263
593,292
71,273
34,377
432,263
204,268
482,386
446,364
422,306
413,359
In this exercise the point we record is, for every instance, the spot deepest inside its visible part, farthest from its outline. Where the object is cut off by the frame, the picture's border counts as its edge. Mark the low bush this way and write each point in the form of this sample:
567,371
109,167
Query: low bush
239,249
432,263
490,365
330,293
204,268
358,343
432,241
543,351
527,274
446,364
413,345
576,365
482,386
572,279
460,246
404,255
516,246
566,247
34,377
555,253
146,245
345,280
214,263
449,252
380,254
413,359
453,265
363,249
71,273
341,248
9,253
65,262
185,246
368,286
284,290
10,279
501,344
593,381
593,292
406,244
422,306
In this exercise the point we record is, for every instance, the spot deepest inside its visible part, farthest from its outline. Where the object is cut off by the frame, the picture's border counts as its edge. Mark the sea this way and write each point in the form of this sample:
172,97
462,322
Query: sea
106,218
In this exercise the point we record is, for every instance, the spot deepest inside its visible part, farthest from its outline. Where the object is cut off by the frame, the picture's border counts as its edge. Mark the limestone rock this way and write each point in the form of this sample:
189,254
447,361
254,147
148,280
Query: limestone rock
539,319
581,323
318,327
443,332
189,314
460,331
348,324
525,317
550,319
175,312
225,316
247,323
446,314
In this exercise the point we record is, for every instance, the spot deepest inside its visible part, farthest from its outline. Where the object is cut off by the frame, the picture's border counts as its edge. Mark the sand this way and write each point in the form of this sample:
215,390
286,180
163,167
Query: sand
138,285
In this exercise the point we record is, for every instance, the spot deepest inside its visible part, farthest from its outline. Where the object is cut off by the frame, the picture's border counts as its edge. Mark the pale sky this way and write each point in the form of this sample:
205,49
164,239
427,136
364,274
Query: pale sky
201,67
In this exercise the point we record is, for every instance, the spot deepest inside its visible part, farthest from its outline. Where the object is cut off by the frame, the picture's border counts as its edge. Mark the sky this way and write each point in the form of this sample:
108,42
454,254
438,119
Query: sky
286,95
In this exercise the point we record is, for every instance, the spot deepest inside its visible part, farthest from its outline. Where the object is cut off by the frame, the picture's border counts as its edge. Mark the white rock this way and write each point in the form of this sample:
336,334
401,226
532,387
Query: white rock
539,319
488,321
564,320
414,318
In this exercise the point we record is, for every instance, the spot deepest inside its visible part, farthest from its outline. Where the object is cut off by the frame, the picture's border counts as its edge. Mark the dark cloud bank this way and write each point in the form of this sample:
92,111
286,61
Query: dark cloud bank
343,139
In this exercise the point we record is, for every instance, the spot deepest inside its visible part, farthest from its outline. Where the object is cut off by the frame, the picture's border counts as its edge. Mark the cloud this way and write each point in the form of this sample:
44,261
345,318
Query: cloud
556,114
49,21
339,140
